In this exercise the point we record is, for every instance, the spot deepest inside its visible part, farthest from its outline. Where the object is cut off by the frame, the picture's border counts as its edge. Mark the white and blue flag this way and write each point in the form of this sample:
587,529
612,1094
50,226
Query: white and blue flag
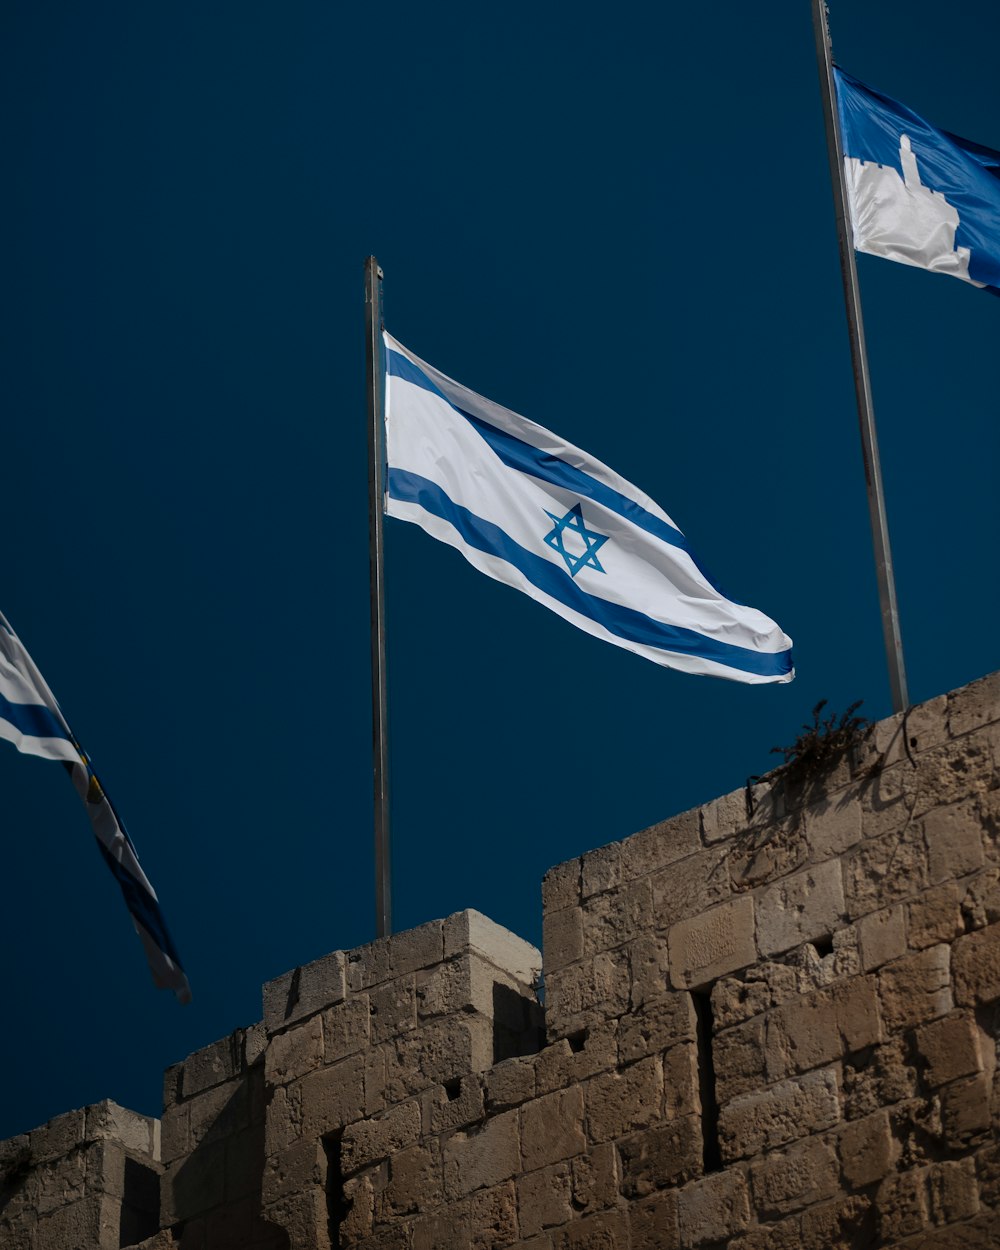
529,509
918,194
31,719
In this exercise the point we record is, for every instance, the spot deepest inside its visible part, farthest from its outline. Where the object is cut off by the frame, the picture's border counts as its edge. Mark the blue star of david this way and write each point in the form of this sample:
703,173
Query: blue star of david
593,542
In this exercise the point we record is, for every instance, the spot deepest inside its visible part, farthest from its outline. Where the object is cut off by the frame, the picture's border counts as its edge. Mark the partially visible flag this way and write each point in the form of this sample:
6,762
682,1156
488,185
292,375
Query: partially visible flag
918,194
31,719
529,509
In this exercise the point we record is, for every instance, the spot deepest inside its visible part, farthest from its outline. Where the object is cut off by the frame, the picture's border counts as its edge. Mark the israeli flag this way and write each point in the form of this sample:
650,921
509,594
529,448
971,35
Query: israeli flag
31,719
918,194
530,510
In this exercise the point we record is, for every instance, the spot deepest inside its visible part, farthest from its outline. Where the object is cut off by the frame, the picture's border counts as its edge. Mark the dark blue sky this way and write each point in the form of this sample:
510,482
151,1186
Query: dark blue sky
621,228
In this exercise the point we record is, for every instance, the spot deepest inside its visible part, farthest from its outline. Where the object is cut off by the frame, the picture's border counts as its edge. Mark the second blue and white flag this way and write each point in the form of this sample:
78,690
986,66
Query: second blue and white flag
531,510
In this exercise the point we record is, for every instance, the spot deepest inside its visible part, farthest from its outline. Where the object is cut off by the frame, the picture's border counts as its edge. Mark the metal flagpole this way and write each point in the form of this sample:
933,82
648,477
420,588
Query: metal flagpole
374,377
859,357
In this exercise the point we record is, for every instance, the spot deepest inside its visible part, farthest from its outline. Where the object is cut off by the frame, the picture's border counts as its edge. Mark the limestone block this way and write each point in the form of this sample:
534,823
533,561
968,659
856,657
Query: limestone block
833,825
393,1008
868,1149
396,955
552,1128
781,1114
653,1223
785,1235
58,1136
878,1079
586,993
952,1191
711,944
304,991
881,937
681,1083
346,1028
901,1203
596,1178
510,1083
601,870
415,1181
332,1097
976,967
358,1219
473,932
544,1199
803,907
658,1027
950,1048
974,705
91,1224
175,1134
607,1230
481,1159
58,1182
615,917
191,1187
760,987
740,1059
303,1217
466,983
444,1050
764,855
959,770
838,1225
561,886
244,1153
714,1208
107,1120
916,988
822,1027
566,1062
294,1053
621,1102
445,1110
934,917
798,1177
723,817
562,937
371,1141
965,1110
299,1168
954,837
927,724
691,885
218,1112
661,844
649,963
667,1154
212,1065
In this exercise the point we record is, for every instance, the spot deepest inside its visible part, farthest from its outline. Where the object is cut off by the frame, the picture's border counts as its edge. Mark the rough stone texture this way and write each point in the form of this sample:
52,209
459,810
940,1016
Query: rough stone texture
764,1031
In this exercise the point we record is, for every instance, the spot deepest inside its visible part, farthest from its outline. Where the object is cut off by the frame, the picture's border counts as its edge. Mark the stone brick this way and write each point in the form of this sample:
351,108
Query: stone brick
833,825
393,1007
822,1027
346,1028
916,989
668,1154
885,870
950,1048
954,839
564,1063
808,905
444,1110
585,993
415,1181
934,917
509,1084
878,1078
952,1191
965,1110
881,937
653,1223
58,1136
716,942
373,1140
649,964
302,1216
444,1050
218,1112
740,1059
544,1199
107,1120
561,886
681,1085
294,1053
781,1114
761,856
800,1176
714,1208
304,991
601,870
739,998
868,1150
621,1102
190,1188
974,705
927,723
843,1224
615,917
687,888
785,1235
333,1097
482,1159
92,1223
562,937
724,817
596,1178
901,1202
607,1230
552,1128
976,967
669,1021
211,1065
299,1168
957,771
661,844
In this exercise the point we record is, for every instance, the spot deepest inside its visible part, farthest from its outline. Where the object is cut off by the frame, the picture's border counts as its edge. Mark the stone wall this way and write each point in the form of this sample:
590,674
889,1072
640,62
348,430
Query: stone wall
770,1022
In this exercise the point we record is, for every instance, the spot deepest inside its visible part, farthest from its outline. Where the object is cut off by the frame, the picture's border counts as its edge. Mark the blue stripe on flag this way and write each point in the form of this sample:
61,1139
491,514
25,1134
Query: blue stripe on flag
144,908
33,719
624,622
517,454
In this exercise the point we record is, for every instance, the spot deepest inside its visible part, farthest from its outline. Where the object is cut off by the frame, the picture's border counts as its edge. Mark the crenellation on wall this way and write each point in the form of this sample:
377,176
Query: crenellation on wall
769,1022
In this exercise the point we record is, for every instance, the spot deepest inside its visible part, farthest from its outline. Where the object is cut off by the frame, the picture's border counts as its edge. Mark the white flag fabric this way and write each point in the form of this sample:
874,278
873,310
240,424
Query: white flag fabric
31,719
531,510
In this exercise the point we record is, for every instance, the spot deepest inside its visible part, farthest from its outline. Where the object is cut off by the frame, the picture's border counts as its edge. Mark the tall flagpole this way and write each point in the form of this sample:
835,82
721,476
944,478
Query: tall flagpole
374,377
859,357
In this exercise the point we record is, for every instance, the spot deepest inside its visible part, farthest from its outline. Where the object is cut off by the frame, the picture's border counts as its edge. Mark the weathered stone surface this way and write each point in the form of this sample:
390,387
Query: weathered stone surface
740,1059
662,1025
724,817
661,844
601,870
952,1191
91,1224
950,1048
653,1222
470,931
552,1128
687,888
544,1199
212,1065
295,1052
954,839
765,985
596,1178
587,992
833,825
649,965
901,1202
716,942
965,1110
934,917
916,988
304,991
346,1028
621,1102
881,937
509,1084
885,870
976,967
868,1150
808,905
781,1114
415,1181
761,856
615,917
562,937
800,1176
333,1097
666,1155
393,1007
823,1026
590,1051
714,1208
482,1158
974,705
444,1110
373,1140
300,1168
561,886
